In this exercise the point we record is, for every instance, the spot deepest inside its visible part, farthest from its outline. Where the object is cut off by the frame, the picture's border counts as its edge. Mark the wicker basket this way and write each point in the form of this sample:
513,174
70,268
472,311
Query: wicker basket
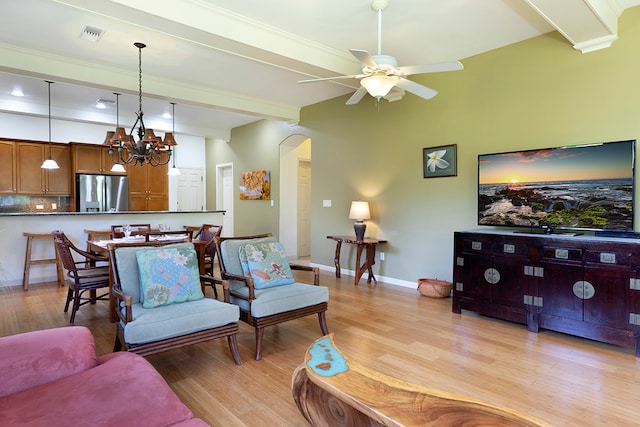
434,288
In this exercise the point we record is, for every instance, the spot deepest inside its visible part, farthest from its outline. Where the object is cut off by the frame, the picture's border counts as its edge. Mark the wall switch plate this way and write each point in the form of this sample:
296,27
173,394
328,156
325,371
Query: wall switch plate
273,203
326,203
381,256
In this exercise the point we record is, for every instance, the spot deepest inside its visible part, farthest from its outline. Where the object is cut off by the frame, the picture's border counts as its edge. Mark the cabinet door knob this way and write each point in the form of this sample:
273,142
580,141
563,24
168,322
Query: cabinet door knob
583,289
492,275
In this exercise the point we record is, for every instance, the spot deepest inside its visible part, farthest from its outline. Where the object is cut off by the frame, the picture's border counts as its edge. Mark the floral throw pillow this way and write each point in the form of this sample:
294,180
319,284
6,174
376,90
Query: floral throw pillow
168,276
267,264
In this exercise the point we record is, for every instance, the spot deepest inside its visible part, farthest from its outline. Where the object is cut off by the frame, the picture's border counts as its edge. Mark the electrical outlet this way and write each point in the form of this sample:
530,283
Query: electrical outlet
326,203
381,256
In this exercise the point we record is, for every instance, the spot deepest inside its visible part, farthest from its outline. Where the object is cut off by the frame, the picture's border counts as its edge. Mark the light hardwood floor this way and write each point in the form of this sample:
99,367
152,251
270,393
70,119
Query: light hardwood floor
563,380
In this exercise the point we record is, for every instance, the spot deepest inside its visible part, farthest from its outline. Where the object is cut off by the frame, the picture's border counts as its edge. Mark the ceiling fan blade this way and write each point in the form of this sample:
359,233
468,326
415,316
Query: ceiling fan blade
354,76
416,89
364,57
357,96
430,68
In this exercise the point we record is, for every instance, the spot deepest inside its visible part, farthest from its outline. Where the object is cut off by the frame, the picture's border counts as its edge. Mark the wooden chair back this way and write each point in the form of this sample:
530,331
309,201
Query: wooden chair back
89,273
208,233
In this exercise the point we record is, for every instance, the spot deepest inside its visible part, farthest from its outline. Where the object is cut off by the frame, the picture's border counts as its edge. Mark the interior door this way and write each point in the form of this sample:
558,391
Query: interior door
304,208
190,190
224,197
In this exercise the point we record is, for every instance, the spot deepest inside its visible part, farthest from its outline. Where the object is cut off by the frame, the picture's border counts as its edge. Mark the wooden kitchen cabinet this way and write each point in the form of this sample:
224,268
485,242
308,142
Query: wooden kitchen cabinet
8,184
32,179
148,187
92,159
586,286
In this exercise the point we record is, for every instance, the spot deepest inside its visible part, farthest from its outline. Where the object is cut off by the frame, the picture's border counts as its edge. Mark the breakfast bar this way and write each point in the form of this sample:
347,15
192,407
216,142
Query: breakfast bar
74,224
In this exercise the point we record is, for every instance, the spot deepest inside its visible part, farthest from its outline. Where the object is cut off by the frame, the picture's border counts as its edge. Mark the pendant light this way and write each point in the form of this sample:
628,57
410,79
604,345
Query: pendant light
117,167
174,170
149,149
49,163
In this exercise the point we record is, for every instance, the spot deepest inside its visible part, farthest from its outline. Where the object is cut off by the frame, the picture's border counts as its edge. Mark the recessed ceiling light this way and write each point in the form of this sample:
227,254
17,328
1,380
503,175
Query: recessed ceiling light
91,34
166,116
104,103
17,92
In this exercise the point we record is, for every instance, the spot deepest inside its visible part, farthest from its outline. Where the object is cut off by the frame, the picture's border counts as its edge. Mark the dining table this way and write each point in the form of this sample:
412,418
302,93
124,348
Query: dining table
101,247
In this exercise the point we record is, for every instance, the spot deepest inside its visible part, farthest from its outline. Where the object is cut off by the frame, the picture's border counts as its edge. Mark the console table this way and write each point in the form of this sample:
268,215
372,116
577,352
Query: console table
580,285
366,244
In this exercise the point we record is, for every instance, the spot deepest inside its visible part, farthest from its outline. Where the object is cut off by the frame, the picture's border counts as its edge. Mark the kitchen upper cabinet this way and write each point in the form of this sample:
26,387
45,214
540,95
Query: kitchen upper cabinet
32,179
148,187
92,159
8,170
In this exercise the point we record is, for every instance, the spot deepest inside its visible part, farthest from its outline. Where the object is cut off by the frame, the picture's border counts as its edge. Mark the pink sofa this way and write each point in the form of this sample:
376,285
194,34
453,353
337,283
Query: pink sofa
53,378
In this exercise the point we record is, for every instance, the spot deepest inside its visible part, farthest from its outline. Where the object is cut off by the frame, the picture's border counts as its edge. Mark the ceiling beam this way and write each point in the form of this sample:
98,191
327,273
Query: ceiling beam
42,64
203,23
588,24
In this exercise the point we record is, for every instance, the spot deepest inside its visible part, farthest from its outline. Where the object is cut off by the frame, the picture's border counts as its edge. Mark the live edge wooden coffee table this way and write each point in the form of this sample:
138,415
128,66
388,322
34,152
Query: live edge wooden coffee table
366,244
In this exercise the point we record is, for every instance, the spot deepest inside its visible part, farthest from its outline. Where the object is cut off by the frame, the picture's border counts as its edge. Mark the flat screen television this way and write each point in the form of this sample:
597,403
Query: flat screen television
581,187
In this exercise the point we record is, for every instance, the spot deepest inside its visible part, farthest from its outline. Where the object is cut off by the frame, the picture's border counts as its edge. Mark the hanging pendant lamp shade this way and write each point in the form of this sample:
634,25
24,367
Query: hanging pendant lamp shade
120,135
169,140
49,163
109,137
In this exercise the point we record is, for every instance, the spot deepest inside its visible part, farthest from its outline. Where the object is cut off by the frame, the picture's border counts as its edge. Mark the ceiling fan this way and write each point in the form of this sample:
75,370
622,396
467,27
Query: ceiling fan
380,73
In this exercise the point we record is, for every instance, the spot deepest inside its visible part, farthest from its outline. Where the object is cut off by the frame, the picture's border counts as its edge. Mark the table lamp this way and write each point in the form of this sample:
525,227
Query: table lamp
359,211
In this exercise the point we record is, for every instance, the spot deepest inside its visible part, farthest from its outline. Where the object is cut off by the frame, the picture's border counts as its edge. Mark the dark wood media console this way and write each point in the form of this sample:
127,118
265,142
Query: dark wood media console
580,285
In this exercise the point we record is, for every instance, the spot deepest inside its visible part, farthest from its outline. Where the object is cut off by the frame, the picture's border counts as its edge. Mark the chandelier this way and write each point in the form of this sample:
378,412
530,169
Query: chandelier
124,149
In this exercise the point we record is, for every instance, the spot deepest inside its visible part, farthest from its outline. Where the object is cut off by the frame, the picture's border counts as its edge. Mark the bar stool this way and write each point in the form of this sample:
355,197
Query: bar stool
28,262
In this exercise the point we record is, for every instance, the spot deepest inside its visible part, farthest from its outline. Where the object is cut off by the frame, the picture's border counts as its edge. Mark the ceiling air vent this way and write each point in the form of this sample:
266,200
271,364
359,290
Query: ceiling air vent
91,34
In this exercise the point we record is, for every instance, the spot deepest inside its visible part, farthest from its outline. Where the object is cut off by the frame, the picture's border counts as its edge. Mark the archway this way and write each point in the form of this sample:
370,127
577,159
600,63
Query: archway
295,195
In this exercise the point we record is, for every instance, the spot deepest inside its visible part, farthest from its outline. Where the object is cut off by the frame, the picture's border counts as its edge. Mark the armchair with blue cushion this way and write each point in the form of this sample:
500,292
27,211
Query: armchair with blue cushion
160,301
263,286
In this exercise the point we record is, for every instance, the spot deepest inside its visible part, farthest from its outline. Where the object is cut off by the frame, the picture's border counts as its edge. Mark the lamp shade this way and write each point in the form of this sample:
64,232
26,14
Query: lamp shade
50,164
117,167
359,210
379,86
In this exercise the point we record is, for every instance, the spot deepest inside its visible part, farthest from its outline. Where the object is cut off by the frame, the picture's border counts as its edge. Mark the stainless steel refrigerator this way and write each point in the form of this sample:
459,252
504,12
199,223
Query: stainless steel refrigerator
102,193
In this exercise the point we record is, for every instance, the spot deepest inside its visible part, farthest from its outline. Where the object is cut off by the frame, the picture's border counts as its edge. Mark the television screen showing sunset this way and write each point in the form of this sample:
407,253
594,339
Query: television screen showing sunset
589,186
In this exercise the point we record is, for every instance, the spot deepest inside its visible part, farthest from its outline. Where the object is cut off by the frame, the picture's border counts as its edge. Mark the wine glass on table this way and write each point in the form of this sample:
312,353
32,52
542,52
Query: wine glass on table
163,228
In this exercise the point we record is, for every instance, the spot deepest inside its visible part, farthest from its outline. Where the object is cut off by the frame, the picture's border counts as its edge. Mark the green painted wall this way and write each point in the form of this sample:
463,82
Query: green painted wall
534,94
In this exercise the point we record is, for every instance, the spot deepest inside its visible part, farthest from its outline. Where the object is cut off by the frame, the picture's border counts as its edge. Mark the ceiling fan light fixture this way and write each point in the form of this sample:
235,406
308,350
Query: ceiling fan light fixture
379,86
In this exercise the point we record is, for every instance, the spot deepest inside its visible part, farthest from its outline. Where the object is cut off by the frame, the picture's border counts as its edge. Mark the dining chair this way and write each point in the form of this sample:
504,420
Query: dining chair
208,233
136,230
263,286
89,274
